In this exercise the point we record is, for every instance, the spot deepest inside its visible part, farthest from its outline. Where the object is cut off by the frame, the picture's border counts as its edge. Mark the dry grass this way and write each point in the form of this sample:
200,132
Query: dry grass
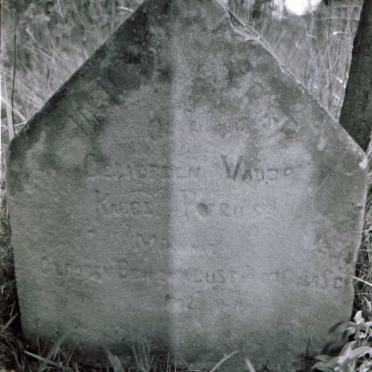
315,49
53,40
55,37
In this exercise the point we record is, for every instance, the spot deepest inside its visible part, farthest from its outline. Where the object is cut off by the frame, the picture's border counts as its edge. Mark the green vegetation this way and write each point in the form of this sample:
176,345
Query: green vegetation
351,356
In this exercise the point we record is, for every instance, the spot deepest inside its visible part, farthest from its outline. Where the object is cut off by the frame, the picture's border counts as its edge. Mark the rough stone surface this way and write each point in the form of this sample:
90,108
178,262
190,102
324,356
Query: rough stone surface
181,188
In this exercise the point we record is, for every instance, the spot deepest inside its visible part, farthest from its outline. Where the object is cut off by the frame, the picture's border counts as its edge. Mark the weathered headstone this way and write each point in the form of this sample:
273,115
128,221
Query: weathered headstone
181,188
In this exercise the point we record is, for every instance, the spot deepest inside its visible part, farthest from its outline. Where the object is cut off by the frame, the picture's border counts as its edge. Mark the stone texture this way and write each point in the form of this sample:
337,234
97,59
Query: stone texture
181,188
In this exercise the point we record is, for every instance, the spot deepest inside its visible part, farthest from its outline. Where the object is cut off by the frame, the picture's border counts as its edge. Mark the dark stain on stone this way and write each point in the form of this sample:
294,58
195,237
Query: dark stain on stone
203,90
165,74
129,58
95,162
203,209
17,173
123,63
289,129
237,67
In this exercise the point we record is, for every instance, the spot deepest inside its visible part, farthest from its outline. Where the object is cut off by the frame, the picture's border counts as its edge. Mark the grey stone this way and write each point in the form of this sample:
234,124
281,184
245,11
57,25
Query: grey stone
181,188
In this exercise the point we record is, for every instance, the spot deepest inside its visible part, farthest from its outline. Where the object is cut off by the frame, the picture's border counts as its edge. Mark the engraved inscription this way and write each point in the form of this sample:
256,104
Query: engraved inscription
240,169
194,301
133,204
88,122
79,271
325,280
213,278
340,253
98,273
221,276
139,170
136,207
192,204
183,304
290,128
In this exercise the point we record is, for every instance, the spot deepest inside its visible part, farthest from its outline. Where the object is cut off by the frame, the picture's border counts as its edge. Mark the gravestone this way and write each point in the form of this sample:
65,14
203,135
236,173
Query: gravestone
182,188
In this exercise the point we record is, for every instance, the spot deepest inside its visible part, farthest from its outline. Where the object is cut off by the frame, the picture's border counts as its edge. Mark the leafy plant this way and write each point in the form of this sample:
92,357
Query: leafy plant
356,355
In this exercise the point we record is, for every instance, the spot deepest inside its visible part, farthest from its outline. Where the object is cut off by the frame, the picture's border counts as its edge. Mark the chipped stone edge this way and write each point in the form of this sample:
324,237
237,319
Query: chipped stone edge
249,33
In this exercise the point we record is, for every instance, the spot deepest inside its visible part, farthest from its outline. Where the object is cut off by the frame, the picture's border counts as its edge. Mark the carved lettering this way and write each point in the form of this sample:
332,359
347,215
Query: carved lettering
140,171
341,253
241,170
323,280
340,282
158,127
123,269
147,242
272,174
136,207
224,209
87,122
231,170
193,204
217,277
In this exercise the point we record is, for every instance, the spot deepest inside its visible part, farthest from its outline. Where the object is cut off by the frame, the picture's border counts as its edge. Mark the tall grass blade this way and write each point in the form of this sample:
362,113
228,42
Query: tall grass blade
222,361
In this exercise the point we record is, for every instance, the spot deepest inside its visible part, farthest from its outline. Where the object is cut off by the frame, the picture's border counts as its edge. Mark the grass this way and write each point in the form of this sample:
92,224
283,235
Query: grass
316,50
53,38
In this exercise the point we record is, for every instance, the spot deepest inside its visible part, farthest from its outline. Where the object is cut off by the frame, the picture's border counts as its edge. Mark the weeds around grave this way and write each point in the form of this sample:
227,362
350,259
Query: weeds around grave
356,355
